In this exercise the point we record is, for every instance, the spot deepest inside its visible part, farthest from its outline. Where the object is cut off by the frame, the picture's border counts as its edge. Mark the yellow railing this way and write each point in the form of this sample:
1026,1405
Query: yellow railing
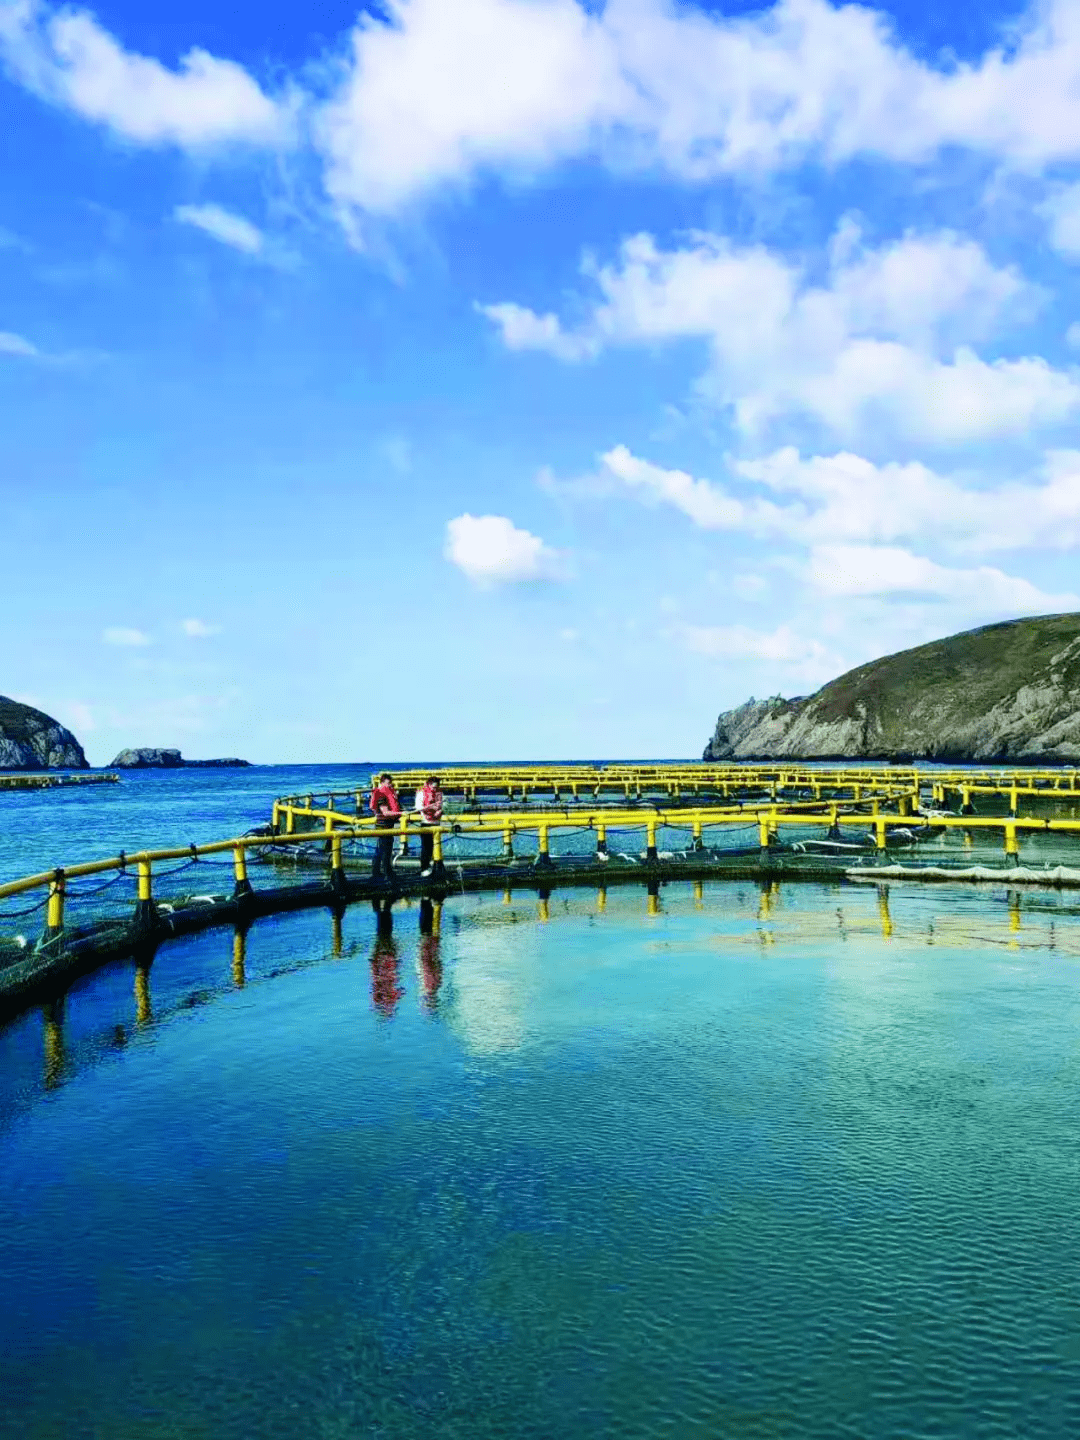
334,829
726,781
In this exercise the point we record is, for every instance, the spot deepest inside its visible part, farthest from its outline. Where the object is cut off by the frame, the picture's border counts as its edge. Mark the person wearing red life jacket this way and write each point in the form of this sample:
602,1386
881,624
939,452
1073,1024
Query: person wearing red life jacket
386,807
429,802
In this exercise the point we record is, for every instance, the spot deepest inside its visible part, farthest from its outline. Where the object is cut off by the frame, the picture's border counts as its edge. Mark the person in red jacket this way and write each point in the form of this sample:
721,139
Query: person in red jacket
429,802
385,806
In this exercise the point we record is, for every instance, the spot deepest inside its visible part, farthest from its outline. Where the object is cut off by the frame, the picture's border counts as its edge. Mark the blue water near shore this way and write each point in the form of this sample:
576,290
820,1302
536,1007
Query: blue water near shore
798,1161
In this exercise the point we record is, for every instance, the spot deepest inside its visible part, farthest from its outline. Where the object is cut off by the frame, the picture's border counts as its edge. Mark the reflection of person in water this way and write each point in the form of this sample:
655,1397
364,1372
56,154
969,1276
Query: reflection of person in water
386,989
431,970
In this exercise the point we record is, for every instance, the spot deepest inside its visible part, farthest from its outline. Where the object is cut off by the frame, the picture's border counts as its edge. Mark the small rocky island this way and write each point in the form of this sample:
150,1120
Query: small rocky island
149,758
1007,692
32,740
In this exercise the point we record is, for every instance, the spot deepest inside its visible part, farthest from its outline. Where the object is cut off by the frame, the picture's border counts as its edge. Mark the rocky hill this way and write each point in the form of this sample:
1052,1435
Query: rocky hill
1002,692
150,758
32,740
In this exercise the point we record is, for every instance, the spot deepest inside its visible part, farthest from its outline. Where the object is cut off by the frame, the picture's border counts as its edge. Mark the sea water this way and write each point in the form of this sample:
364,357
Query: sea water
778,1160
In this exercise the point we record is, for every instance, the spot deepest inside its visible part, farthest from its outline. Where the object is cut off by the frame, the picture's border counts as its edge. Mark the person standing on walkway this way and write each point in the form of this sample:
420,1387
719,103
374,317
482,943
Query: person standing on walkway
386,807
429,802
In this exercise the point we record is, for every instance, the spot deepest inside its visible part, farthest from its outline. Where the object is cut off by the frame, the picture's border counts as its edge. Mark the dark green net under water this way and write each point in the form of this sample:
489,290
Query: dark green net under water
778,1161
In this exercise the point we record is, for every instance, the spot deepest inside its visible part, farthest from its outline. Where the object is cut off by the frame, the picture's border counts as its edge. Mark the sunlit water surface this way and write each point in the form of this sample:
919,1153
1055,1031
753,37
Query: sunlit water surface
795,1162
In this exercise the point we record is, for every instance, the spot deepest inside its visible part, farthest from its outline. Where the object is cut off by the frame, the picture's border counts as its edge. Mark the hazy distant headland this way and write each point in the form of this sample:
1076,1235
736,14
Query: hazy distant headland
151,758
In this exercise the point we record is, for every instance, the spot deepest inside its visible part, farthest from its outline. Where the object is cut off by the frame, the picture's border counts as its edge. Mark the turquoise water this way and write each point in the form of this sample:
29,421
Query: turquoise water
796,1162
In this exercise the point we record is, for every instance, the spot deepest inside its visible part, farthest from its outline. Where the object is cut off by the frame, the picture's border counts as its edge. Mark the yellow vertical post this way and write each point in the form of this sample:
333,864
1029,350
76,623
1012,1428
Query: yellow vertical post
242,885
650,842
698,841
1013,800
543,855
601,842
879,831
145,912
54,914
337,864
1012,845
275,822
508,842
763,831
290,820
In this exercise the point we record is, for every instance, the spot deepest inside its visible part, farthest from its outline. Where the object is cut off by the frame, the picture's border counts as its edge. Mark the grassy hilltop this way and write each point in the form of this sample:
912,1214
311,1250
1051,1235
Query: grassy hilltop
1002,692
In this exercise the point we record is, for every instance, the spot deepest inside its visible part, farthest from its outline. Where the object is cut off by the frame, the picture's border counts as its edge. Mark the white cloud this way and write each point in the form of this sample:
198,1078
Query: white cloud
491,550
123,635
199,629
880,345
1062,214
739,642
522,329
222,225
844,498
864,570
15,345
447,89
66,57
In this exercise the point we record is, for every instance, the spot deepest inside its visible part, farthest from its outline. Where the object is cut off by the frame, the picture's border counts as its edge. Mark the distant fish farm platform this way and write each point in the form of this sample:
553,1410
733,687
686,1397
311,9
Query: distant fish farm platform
43,780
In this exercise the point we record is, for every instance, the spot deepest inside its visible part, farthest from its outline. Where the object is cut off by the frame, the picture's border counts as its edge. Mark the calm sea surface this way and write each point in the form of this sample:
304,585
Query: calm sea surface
801,1161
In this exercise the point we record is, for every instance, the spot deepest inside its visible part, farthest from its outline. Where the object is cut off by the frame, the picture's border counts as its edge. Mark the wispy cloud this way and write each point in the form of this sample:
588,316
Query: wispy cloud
11,344
199,629
124,635
224,226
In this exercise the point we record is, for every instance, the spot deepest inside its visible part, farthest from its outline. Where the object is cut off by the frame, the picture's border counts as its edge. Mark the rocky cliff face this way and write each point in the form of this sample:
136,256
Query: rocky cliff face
32,740
1008,692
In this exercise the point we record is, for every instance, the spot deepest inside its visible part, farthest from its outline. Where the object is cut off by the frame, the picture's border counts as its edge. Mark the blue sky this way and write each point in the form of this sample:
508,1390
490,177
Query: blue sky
508,378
